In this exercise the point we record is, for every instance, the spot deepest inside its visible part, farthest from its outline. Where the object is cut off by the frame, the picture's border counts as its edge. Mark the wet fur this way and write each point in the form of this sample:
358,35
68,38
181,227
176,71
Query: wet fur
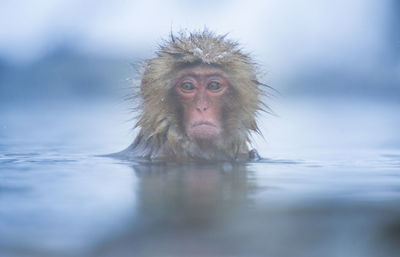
161,135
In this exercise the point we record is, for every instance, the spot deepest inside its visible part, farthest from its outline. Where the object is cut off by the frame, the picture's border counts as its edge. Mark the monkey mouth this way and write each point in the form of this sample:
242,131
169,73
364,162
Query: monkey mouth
203,130
203,123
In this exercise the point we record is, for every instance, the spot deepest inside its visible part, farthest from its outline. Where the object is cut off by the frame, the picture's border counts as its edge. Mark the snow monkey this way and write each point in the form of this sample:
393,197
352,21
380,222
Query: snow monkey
197,101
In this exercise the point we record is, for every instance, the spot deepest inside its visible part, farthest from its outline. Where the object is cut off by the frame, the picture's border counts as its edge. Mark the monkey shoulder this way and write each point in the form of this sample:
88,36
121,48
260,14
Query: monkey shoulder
253,155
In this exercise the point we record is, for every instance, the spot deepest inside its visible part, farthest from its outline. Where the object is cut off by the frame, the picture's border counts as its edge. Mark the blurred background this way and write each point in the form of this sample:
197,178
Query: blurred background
81,52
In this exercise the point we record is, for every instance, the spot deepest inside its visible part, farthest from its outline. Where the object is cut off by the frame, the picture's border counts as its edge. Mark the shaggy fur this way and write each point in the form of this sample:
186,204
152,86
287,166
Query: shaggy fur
161,136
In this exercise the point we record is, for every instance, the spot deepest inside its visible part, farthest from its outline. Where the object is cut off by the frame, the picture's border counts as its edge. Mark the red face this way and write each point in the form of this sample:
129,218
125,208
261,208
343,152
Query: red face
200,90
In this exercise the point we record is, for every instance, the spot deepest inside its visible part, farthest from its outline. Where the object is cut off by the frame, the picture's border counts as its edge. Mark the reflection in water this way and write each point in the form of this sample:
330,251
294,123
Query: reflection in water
90,206
183,210
191,194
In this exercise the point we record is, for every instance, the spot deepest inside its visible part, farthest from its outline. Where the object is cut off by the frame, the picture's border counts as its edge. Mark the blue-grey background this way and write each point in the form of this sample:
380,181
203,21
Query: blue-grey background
55,52
329,185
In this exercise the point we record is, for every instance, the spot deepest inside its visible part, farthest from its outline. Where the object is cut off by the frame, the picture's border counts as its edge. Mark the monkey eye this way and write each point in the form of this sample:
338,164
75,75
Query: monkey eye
214,86
187,86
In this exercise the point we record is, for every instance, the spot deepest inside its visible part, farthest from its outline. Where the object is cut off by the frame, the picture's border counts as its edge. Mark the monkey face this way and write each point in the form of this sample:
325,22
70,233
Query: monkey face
200,91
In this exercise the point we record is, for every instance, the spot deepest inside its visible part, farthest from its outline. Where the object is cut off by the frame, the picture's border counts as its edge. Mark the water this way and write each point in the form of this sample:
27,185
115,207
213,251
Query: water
329,186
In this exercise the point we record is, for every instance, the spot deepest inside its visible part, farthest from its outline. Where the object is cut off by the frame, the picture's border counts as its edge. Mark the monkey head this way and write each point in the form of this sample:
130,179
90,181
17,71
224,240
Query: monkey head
197,100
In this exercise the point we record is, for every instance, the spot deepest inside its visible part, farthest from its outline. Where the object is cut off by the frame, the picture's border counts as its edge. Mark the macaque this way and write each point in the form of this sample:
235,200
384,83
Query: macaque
197,101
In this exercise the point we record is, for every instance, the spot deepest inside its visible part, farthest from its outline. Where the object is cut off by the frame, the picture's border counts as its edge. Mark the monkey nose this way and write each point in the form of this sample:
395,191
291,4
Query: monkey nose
202,104
202,108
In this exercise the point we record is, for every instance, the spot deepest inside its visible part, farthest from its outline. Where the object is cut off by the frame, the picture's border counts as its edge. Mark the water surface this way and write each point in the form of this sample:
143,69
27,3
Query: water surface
329,185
